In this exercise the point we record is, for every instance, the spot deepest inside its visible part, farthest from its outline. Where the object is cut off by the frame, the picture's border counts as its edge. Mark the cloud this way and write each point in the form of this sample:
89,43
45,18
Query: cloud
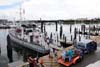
9,4
56,9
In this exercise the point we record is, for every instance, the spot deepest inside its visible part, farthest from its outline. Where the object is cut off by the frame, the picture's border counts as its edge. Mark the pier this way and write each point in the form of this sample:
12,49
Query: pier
49,62
52,62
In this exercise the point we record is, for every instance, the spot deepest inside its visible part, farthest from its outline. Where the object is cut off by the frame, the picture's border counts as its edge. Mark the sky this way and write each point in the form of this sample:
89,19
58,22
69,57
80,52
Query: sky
50,9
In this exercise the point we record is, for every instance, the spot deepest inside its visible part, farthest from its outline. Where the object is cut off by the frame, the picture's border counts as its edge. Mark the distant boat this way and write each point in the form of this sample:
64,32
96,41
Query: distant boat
2,26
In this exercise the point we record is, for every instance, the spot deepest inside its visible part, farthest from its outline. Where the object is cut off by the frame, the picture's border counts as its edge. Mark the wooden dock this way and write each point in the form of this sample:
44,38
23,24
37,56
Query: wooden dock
52,62
49,62
96,39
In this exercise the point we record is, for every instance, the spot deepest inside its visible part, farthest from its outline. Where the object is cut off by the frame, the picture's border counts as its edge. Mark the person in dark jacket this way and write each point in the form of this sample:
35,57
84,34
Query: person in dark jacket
9,49
32,61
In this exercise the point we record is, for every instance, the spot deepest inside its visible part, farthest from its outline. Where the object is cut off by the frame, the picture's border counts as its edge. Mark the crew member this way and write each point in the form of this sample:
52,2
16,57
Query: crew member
70,54
64,54
32,62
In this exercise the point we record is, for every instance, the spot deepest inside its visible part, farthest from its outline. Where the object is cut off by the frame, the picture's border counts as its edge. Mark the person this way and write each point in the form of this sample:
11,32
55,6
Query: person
51,53
48,41
9,49
70,54
32,62
55,53
64,54
41,63
81,53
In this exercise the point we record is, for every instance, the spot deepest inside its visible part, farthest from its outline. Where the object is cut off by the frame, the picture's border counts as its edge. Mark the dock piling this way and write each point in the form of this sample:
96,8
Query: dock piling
61,31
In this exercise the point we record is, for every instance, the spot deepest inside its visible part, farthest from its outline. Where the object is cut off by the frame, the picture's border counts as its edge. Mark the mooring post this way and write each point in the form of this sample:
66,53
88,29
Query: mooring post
79,36
41,25
75,33
44,28
71,37
61,31
56,26
89,31
70,28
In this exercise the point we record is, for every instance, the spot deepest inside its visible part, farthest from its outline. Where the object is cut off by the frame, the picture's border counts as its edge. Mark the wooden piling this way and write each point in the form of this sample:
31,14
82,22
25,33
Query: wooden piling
70,28
56,26
41,25
61,31
75,33
71,37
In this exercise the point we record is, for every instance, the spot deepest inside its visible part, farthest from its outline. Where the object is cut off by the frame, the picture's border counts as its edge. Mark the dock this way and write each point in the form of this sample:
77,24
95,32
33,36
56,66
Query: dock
52,62
96,38
14,64
49,62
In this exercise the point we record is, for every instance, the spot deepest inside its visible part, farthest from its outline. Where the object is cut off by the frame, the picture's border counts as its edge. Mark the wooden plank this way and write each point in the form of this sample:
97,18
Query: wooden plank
96,38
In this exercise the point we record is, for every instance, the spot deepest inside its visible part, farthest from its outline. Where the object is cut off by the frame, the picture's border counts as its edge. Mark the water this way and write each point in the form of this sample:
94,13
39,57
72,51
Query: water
66,30
3,42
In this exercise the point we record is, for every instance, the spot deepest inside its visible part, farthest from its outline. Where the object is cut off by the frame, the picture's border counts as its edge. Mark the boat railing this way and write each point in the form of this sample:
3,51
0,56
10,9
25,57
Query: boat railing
33,46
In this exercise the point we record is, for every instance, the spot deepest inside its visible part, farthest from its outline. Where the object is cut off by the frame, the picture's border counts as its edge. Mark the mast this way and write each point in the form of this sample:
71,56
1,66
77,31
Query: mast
20,8
20,13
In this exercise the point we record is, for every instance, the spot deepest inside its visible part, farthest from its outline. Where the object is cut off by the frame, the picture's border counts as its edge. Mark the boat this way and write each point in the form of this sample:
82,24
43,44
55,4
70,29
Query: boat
2,26
28,40
77,57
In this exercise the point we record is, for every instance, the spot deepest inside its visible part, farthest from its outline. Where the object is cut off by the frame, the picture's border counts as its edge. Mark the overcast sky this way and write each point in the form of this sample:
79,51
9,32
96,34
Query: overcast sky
50,9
